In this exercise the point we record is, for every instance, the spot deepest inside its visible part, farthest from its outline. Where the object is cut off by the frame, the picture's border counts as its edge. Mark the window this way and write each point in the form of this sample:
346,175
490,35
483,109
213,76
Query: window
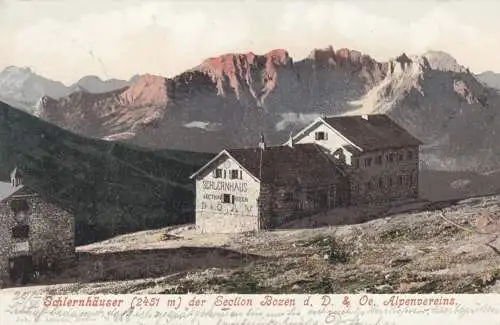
356,163
368,185
400,180
19,205
380,182
407,180
378,160
400,156
368,162
227,198
389,180
390,157
288,196
218,173
235,174
21,231
320,135
409,155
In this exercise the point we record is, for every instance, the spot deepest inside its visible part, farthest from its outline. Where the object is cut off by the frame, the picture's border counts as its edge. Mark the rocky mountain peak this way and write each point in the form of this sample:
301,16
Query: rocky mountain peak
17,70
41,104
351,60
235,72
236,63
439,60
147,89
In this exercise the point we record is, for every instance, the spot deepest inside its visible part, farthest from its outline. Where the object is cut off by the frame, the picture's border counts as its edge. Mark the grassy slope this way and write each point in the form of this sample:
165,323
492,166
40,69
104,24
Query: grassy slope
112,187
412,249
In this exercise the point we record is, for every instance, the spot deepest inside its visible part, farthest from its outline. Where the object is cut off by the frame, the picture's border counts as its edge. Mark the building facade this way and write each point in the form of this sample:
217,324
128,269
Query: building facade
334,161
382,158
250,189
36,236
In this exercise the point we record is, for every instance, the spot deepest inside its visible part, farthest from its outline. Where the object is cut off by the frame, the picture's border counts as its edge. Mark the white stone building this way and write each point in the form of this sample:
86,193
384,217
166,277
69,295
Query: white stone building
257,188
334,161
381,157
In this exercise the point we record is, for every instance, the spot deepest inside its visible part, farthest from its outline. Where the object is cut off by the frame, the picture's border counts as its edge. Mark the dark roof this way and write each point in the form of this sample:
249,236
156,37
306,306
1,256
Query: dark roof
304,164
378,131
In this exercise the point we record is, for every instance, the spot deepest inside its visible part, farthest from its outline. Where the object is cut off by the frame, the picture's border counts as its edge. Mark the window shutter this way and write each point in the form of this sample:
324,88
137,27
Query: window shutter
214,173
232,199
241,174
224,173
325,135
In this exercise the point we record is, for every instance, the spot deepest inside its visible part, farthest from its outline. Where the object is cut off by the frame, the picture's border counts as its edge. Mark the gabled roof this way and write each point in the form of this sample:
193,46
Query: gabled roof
371,132
216,158
300,164
7,191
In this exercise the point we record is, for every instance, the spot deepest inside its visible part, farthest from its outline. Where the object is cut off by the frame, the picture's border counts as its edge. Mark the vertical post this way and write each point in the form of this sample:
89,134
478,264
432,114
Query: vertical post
329,198
258,212
259,207
262,146
334,196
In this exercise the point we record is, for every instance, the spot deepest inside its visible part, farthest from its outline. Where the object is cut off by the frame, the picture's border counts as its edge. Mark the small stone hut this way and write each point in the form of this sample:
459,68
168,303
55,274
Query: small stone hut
36,235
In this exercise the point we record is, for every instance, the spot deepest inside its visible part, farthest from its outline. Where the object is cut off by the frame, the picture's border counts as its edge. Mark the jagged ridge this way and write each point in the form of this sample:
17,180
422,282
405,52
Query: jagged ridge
230,99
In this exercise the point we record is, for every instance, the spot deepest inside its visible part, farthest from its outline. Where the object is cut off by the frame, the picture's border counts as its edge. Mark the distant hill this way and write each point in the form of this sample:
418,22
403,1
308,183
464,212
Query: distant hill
24,89
111,187
490,78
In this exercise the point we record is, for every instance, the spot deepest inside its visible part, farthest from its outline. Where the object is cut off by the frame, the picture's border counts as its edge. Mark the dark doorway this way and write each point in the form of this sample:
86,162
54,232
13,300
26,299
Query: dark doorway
20,269
322,200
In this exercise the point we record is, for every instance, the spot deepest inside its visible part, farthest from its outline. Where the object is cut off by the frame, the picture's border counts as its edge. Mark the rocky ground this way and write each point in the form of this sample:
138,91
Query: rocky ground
446,247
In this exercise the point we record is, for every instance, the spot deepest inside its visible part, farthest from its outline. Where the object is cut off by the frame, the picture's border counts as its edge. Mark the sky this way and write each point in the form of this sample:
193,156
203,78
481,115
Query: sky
67,39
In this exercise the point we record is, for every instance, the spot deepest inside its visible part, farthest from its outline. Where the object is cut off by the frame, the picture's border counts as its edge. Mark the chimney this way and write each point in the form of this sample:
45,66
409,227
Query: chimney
16,178
290,140
364,117
262,143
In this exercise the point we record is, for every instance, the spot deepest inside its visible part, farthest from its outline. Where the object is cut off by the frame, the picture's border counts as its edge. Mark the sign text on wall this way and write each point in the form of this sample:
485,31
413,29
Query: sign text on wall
226,208
225,186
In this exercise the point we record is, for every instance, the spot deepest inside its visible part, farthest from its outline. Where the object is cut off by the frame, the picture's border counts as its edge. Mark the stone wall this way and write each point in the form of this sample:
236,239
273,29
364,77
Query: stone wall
281,203
380,178
51,240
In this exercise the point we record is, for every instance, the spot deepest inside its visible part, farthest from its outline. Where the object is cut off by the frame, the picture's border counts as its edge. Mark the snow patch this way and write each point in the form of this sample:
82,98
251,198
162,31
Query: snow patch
208,126
395,86
295,118
119,136
463,91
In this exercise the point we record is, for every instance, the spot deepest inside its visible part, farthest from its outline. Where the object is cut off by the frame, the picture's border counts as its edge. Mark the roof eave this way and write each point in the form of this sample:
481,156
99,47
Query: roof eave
211,161
215,159
307,128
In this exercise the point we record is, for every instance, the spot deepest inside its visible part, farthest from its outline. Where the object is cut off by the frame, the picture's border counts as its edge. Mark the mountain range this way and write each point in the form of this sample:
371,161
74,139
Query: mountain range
229,100
23,88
